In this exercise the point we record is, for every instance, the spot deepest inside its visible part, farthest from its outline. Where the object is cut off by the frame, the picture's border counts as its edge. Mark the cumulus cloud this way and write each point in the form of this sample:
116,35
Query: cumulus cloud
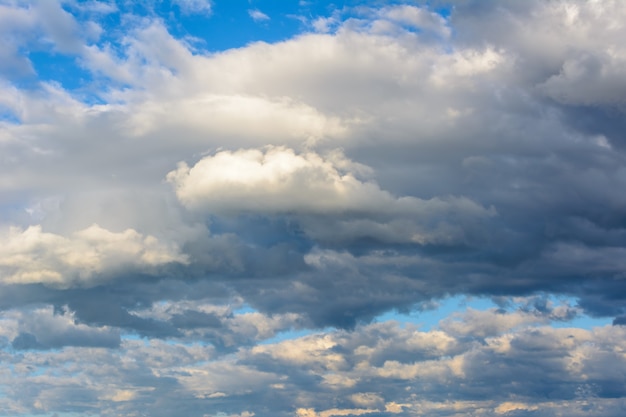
33,256
381,368
580,55
279,181
44,328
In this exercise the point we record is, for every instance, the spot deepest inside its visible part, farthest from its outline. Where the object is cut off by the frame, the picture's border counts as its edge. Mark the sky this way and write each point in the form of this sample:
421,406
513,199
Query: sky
237,208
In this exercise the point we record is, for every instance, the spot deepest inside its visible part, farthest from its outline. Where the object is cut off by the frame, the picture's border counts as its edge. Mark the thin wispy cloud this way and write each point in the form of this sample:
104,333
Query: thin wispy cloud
257,15
194,6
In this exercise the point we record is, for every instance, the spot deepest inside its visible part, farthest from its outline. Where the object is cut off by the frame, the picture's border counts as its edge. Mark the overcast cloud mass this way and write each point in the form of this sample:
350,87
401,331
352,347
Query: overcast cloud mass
204,216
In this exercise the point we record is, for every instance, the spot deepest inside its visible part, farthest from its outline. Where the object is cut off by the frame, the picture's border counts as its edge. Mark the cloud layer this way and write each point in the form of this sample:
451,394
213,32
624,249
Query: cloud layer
377,369
187,231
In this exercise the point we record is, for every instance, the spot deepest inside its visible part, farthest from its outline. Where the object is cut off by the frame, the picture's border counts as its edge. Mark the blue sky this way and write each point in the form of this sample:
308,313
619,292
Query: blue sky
311,208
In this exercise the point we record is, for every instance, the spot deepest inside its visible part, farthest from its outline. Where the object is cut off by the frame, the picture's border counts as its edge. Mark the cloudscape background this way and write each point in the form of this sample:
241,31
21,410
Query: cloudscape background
238,208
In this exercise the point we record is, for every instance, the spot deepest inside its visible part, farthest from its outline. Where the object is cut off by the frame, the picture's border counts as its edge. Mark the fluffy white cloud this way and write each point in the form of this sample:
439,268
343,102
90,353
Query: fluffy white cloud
279,181
579,61
378,368
85,258
275,180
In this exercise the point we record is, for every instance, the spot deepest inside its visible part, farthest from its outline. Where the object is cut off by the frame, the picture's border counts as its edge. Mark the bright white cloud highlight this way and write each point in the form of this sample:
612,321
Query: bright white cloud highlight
87,256
274,180
278,180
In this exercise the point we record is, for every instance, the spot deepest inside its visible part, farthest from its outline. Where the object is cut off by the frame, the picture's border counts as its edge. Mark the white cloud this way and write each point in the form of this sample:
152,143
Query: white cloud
325,24
508,407
372,367
417,18
488,322
314,352
279,181
194,6
243,118
310,412
33,256
257,15
274,180
366,399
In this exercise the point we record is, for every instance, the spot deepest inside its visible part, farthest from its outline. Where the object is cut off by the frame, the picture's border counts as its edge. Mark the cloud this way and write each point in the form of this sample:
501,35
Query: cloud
257,15
174,218
577,50
598,80
33,256
257,118
43,25
452,156
194,6
417,18
44,328
279,181
380,368
508,407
